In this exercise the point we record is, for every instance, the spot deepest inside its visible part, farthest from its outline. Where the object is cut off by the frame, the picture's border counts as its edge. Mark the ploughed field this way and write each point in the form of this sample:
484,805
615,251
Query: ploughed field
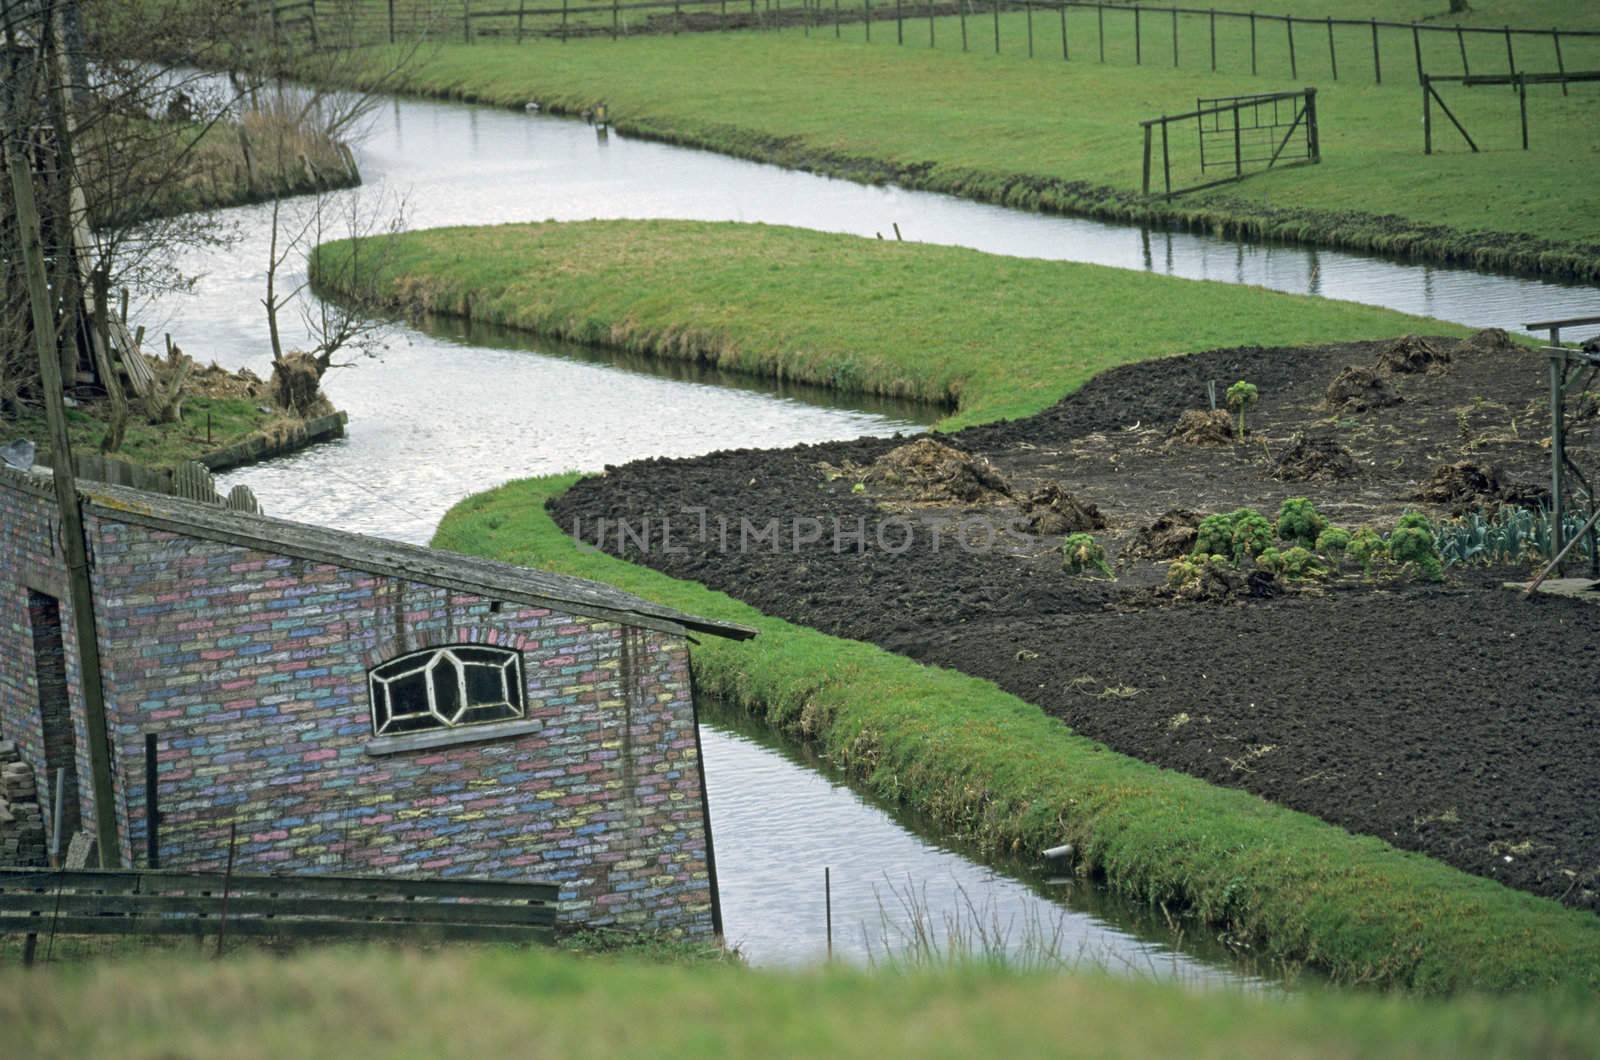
1453,718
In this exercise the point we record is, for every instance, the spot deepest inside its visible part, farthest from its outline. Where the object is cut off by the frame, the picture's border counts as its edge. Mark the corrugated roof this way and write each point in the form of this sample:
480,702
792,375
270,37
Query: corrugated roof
451,570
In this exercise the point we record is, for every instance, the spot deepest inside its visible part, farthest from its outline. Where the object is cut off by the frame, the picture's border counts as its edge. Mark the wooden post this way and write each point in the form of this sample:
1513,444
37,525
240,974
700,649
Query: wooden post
1138,37
1511,54
899,24
1377,59
868,21
677,15
1238,147
837,31
1561,66
1027,6
1174,37
1522,105
1461,45
1313,133
564,4
1064,53
1294,68
1213,40
1166,159
391,21
1333,54
152,804
1416,47
997,27
614,13
1427,116
1147,159
962,7
1252,44
466,21
827,899
1558,454
71,529
522,6
930,23
1100,20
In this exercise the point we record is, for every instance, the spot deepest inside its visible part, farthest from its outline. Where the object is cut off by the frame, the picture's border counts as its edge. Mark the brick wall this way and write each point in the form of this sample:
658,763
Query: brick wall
251,670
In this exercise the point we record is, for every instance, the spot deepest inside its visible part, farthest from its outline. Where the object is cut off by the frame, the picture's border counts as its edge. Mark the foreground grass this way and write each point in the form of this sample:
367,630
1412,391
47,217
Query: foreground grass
990,335
342,1003
990,766
1064,136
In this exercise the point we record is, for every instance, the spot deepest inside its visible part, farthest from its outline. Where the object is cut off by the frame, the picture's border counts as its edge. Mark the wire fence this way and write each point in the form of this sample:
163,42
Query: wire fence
1235,42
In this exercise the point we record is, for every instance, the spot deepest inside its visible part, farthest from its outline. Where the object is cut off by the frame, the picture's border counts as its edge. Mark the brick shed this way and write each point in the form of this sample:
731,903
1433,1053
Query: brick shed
351,704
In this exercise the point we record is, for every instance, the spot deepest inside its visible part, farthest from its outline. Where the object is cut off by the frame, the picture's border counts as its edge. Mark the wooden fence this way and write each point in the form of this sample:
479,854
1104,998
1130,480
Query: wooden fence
1519,81
1238,135
1165,35
36,902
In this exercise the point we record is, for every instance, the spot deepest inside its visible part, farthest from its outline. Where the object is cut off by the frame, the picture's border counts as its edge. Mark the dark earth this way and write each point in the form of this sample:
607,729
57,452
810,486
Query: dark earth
1459,719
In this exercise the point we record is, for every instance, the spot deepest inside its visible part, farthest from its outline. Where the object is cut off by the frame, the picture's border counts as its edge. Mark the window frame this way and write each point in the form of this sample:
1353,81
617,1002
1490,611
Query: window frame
446,718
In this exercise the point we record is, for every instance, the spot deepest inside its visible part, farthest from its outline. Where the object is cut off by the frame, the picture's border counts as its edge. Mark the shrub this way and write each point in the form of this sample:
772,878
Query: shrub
1293,563
1240,395
1299,522
1333,543
1413,548
1252,534
1414,521
1081,552
1215,535
1367,549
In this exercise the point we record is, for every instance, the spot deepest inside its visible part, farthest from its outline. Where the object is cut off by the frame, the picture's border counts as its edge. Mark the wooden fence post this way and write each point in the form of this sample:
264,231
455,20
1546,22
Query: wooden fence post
837,31
1147,159
1065,56
868,19
930,23
963,11
1313,134
1511,55
1166,159
1294,68
1174,38
1138,41
1416,47
564,5
391,21
1027,6
1522,105
1561,67
615,12
1333,53
899,24
1377,59
1427,116
1213,40
997,27
1100,19
1252,44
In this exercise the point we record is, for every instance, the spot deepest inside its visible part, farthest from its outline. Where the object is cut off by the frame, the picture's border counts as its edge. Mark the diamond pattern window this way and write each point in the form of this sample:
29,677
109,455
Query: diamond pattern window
446,688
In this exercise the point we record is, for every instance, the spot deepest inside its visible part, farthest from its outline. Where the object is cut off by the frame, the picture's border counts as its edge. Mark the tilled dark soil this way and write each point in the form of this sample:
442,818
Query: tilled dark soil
1459,720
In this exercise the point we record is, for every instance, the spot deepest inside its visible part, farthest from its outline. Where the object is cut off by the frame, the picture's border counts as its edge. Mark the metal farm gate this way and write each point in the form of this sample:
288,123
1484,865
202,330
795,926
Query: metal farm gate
1236,136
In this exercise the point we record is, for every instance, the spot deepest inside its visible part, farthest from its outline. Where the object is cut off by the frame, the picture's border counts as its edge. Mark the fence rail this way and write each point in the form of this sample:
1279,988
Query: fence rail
36,902
1275,41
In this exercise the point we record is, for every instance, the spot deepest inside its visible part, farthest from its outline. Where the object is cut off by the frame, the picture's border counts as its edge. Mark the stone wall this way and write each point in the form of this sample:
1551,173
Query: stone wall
22,832
250,669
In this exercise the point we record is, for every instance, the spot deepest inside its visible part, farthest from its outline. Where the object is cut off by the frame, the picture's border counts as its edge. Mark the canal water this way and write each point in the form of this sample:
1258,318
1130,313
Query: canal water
444,410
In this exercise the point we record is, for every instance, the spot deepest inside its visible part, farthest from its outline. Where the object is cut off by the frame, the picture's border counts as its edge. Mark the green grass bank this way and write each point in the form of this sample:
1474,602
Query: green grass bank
987,335
342,1003
1064,136
993,768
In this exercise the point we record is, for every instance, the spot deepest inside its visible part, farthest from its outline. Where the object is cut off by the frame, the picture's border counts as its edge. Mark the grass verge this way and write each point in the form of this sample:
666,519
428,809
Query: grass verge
339,1003
1064,136
990,766
989,335
208,423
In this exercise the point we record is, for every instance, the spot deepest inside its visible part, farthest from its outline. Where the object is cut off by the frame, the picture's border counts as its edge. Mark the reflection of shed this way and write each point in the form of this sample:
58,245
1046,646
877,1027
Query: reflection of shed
358,705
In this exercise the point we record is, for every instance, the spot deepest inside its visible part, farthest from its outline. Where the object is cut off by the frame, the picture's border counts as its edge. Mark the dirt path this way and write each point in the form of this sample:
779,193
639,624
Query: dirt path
1449,719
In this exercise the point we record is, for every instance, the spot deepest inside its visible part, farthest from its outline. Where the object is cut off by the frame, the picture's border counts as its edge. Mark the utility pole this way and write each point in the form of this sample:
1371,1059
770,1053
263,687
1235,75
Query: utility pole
44,337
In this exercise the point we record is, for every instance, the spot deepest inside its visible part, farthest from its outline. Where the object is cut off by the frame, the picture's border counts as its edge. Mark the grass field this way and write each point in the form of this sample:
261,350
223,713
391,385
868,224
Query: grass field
989,335
1065,135
359,1003
208,423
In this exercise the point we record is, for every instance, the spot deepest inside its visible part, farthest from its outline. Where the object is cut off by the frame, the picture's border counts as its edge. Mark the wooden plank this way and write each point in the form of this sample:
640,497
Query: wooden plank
397,910
133,881
285,929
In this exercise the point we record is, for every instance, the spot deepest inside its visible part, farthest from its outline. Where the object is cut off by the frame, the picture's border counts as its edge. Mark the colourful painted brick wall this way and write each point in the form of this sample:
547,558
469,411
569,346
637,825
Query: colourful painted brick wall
251,670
